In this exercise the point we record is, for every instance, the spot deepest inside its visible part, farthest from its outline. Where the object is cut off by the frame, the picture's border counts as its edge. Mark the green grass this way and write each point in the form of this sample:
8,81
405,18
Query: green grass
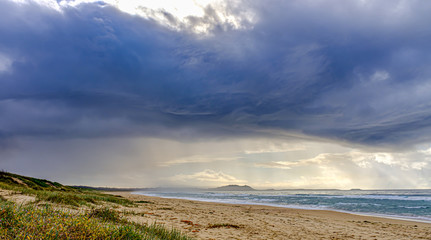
72,197
105,214
32,222
54,192
81,197
29,182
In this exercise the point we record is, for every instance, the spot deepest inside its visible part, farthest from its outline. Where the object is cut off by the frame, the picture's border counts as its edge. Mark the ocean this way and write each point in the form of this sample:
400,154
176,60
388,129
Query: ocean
402,204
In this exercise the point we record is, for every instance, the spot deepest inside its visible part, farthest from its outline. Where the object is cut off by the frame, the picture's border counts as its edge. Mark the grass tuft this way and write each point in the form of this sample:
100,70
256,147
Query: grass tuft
105,214
149,202
223,225
165,208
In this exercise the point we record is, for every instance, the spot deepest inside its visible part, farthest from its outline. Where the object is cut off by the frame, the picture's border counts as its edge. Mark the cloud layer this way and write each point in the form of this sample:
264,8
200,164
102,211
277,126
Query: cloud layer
355,71
91,83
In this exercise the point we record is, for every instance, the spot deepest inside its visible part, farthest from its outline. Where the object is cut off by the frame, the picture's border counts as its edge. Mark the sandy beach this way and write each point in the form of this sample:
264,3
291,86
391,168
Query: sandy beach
206,220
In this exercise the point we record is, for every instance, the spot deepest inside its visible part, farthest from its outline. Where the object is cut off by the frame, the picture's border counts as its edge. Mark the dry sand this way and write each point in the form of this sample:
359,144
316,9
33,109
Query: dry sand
263,222
16,197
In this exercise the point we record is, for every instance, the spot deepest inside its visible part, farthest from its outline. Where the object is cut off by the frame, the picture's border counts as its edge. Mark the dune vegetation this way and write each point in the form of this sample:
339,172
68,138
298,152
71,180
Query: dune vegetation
55,211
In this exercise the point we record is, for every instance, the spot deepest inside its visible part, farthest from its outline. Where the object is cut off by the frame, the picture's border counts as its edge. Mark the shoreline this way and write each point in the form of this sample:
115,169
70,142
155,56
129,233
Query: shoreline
394,217
209,220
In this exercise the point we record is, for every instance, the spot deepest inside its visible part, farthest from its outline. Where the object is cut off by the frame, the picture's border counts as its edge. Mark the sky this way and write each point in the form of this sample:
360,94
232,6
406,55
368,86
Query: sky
272,94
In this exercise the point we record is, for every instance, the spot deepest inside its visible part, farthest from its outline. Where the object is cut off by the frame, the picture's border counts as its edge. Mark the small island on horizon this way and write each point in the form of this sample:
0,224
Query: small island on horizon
233,188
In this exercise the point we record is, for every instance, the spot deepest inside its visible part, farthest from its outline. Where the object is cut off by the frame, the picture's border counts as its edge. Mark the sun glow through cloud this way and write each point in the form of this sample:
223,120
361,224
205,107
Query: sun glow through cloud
191,15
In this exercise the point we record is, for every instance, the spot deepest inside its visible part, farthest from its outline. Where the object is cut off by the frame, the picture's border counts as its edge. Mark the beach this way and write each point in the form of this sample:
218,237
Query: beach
208,220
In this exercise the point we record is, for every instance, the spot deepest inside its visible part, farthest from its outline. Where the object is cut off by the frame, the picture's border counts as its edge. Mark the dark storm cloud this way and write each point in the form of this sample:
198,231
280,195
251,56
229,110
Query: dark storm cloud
348,70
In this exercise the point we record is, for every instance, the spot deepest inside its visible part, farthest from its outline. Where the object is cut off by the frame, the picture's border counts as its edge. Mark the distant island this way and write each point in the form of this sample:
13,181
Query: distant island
233,188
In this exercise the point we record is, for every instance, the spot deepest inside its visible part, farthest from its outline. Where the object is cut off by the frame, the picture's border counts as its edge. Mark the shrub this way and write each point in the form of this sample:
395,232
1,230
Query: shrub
32,222
105,214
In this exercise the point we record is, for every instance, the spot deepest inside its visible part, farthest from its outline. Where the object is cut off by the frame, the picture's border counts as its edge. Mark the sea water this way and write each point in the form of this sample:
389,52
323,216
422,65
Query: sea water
404,204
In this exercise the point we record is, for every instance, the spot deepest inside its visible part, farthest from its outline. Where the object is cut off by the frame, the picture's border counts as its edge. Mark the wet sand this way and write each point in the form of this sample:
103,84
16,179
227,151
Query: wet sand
206,220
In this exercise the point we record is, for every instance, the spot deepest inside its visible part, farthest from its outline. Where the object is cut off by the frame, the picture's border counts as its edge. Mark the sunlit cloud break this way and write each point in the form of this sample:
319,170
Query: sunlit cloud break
201,17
